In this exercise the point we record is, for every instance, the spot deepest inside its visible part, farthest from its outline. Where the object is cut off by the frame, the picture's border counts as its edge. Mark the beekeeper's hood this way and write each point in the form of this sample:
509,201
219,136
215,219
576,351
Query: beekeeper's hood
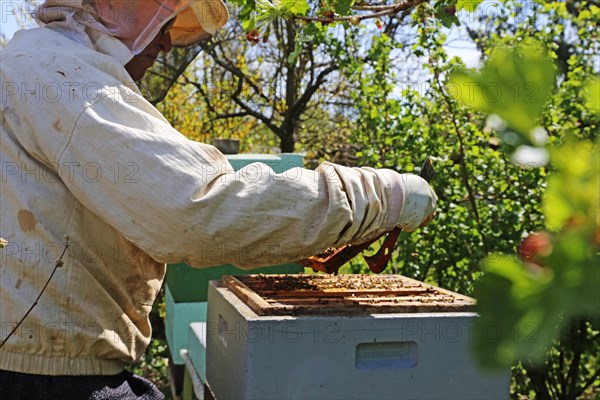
137,22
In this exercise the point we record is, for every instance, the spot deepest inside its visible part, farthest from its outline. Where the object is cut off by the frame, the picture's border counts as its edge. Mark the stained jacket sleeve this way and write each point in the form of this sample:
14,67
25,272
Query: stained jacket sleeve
180,200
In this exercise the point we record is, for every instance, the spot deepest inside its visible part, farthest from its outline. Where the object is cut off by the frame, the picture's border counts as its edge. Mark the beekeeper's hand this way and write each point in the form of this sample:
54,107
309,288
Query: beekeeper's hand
419,203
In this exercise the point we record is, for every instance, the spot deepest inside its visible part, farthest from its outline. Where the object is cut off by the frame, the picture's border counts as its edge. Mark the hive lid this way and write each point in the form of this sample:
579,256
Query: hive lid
342,295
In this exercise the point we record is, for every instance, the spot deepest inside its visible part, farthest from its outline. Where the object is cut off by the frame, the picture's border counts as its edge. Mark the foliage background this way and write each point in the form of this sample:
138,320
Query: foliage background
385,100
389,103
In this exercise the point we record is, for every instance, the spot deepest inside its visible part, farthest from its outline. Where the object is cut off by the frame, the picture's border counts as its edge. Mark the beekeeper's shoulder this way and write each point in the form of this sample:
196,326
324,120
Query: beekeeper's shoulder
50,80
64,70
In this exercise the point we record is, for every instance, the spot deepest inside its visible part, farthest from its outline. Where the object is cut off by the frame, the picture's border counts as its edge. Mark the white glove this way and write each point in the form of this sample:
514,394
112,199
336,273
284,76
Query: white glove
419,203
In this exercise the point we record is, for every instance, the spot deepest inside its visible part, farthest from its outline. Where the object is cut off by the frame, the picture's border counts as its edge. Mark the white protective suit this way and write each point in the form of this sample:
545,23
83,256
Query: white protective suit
84,155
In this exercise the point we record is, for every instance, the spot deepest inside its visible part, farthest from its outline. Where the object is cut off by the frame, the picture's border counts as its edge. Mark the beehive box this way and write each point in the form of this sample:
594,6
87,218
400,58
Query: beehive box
350,337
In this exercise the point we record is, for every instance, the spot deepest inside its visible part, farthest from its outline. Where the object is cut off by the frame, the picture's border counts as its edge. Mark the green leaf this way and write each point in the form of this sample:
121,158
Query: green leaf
248,24
468,5
297,50
573,188
343,7
509,299
531,303
267,11
247,10
296,7
448,20
241,3
592,95
515,84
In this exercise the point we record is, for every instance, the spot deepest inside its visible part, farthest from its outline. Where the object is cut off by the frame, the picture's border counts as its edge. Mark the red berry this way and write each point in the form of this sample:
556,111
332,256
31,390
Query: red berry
535,247
253,36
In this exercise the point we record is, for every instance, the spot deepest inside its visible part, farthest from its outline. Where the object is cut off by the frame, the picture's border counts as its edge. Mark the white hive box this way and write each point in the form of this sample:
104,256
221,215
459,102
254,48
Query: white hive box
373,337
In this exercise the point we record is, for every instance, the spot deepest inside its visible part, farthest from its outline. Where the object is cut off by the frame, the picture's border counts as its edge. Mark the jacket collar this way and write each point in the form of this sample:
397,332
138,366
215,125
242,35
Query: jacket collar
110,46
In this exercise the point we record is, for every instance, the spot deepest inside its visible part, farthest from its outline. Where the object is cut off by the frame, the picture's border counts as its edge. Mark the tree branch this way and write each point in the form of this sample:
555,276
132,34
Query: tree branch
463,165
379,11
300,105
268,122
590,382
232,115
537,381
230,66
578,337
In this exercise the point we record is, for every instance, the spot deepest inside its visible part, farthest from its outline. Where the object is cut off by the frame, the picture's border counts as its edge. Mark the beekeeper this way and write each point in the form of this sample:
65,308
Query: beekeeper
94,176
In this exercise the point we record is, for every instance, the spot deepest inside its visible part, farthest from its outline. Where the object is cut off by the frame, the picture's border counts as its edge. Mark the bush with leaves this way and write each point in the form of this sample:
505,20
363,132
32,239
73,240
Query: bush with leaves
475,127
496,187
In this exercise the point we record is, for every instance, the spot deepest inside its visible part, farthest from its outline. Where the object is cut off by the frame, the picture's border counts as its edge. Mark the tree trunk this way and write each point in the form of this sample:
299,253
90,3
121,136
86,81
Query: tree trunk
538,381
287,142
291,92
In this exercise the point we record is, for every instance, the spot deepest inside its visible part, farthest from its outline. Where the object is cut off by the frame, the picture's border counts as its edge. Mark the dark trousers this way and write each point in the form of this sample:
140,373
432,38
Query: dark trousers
124,386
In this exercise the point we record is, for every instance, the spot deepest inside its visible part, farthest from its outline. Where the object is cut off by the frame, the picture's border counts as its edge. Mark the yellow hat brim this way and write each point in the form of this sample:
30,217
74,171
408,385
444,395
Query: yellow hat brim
199,22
